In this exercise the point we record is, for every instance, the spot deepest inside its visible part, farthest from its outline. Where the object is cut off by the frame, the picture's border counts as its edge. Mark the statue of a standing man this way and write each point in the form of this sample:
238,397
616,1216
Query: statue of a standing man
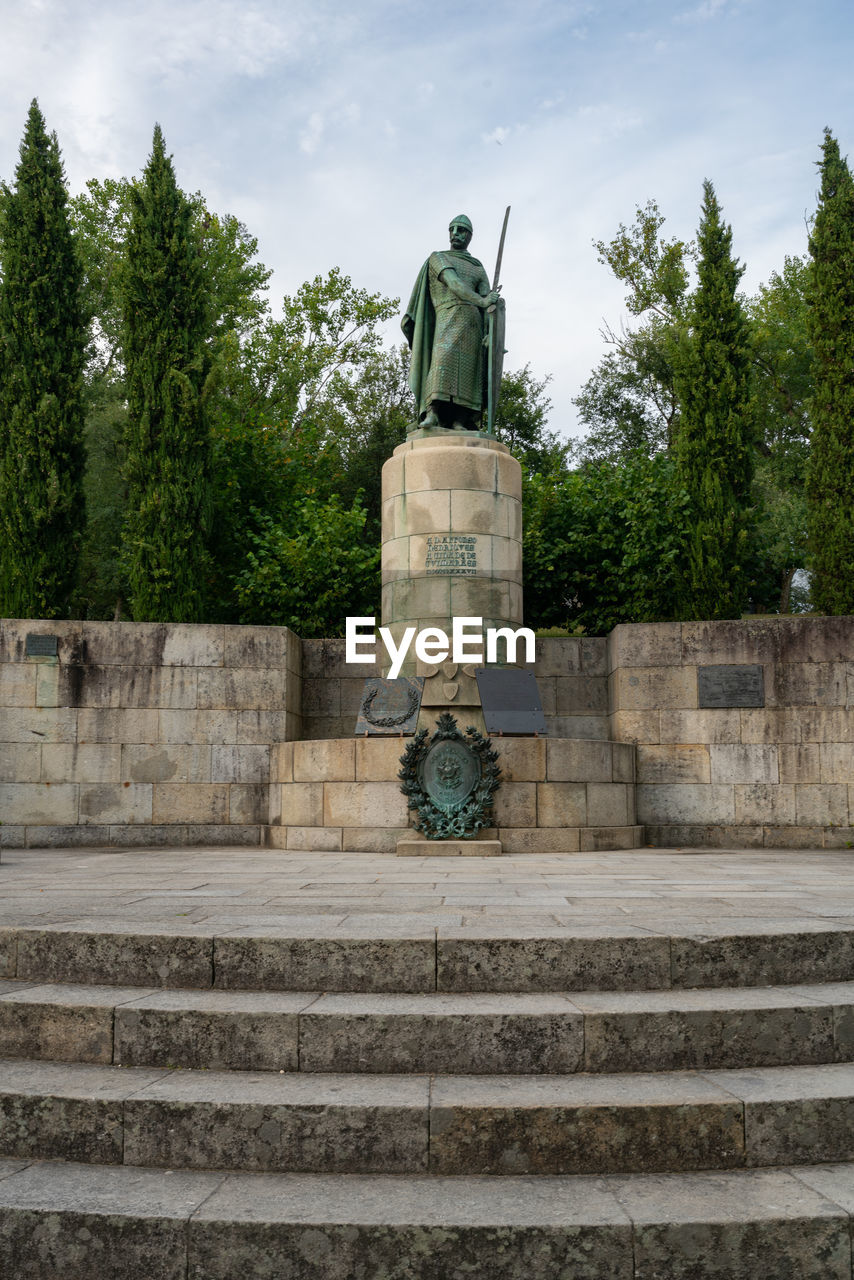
444,326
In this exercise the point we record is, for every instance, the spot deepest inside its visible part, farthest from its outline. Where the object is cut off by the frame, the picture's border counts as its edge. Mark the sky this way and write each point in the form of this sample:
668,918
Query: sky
349,134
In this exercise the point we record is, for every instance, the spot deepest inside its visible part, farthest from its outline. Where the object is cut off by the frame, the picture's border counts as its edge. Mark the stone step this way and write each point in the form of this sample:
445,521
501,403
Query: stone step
444,1125
517,1033
68,1221
327,956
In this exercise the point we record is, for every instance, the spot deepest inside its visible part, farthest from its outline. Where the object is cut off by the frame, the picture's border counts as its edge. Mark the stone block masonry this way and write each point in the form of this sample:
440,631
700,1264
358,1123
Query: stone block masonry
143,733
779,774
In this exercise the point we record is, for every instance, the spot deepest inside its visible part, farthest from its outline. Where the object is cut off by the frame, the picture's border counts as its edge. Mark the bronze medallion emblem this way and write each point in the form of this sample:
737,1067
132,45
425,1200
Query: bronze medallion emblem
449,780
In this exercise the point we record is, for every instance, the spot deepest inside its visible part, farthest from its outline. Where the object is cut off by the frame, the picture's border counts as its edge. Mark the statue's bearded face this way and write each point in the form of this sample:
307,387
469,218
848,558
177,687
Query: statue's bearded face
460,235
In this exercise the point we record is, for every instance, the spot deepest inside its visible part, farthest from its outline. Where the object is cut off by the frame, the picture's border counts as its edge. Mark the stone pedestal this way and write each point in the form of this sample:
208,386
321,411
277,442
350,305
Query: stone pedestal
452,533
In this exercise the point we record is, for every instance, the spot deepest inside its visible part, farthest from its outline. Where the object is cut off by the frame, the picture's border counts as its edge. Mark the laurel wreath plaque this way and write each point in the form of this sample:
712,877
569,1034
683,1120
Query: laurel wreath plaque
449,780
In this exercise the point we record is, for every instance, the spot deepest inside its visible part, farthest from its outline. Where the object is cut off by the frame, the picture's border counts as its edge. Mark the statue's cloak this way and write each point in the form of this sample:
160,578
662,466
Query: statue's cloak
419,327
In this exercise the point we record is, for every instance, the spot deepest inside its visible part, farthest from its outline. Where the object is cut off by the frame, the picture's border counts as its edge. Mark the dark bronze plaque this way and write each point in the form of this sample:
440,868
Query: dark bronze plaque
731,686
510,700
390,706
39,646
449,773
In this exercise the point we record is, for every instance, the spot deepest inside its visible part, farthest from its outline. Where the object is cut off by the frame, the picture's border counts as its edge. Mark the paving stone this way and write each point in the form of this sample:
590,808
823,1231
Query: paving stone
71,955
469,1033
254,1031
326,964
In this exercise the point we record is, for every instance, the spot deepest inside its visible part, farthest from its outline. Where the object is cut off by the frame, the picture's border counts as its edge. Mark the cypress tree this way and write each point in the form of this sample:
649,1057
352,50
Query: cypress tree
830,472
168,466
42,347
714,444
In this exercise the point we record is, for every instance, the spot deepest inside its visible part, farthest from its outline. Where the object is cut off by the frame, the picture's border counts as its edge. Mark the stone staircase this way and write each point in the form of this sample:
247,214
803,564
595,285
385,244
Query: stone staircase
384,1107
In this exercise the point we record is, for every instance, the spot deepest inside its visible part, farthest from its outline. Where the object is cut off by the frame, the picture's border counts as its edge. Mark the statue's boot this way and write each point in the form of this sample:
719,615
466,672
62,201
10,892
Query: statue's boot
430,419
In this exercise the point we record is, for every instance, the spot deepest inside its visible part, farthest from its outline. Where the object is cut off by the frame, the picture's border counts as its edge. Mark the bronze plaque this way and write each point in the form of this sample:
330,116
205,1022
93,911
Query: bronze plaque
449,773
40,646
729,686
389,707
510,700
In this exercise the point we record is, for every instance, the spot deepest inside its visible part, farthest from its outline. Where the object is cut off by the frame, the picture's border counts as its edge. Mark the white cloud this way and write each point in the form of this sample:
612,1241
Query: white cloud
311,136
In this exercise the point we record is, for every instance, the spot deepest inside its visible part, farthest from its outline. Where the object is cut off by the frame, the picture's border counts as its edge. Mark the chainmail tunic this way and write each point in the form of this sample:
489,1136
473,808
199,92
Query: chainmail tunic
456,366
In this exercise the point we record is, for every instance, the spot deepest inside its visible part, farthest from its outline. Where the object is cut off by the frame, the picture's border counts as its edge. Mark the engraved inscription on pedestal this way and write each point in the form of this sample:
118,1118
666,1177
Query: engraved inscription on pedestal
390,706
731,686
451,553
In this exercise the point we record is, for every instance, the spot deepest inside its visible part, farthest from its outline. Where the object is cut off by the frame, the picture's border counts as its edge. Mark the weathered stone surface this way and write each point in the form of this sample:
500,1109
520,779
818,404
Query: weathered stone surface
795,1115
269,647
837,763
193,645
673,763
190,802
399,1228
609,804
707,726
166,762
17,684
21,762
315,839
582,1124
539,840
679,1031
68,954
333,761
441,1033
257,1031
68,1024
593,839
561,804
323,963
364,804
764,803
63,1112
66,1220
550,960
8,953
743,763
39,803
646,645
242,689
685,803
239,764
213,727
297,1123
127,802
581,695
175,687
734,1226
578,761
92,762
114,724
756,958
664,688
416,846
800,762
515,804
821,806
809,683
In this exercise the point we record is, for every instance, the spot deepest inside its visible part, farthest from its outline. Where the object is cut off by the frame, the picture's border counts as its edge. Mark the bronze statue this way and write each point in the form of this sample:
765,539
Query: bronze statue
444,325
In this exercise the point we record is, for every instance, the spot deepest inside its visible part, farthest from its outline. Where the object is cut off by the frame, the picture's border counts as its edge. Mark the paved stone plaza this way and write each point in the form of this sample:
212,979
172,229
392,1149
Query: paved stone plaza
214,890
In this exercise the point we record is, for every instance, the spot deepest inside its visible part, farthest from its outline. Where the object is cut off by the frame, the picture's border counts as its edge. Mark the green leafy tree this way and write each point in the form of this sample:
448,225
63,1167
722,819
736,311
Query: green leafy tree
603,544
313,572
715,442
42,342
830,476
521,422
235,284
168,452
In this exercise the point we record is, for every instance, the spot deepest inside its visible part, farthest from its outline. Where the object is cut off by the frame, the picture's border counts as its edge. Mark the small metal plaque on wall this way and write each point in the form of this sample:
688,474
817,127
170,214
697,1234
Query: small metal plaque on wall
390,707
510,700
40,646
727,686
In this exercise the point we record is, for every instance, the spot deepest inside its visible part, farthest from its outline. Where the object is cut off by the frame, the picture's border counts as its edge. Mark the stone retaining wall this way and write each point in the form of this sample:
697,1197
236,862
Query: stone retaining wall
781,775
143,733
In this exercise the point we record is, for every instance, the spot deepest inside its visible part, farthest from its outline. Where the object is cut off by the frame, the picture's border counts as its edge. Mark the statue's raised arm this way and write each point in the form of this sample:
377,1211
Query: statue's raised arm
445,324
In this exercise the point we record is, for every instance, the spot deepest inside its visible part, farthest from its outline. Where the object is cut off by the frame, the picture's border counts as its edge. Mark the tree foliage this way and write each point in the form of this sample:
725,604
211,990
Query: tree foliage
42,340
167,467
830,476
715,445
